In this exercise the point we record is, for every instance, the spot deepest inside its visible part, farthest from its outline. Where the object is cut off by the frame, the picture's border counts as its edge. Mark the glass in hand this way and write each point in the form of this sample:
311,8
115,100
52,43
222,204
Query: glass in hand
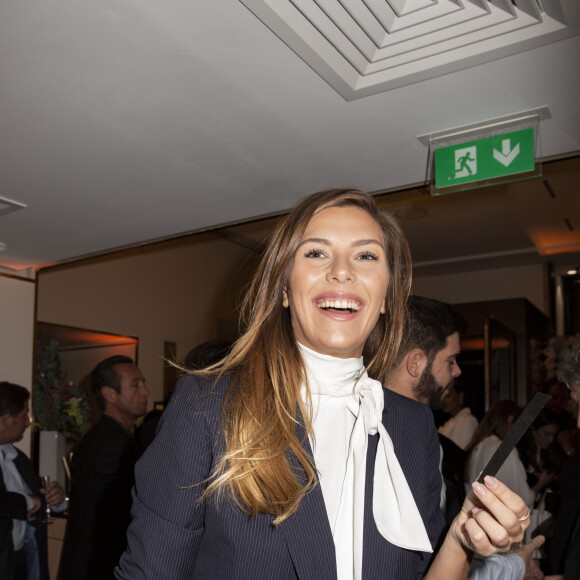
45,482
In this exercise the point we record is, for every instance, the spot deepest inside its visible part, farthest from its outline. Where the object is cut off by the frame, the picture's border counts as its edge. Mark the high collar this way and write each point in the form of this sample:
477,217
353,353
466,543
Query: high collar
337,374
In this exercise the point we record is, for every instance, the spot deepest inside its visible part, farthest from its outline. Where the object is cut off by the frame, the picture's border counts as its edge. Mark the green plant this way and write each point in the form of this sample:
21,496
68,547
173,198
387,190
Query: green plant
58,404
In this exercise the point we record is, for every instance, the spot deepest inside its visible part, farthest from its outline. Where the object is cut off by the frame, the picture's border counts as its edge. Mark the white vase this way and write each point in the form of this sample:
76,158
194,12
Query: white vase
52,448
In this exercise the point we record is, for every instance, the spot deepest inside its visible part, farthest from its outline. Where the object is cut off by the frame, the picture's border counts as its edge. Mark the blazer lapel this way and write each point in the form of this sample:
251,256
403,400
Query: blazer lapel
392,418
24,467
308,535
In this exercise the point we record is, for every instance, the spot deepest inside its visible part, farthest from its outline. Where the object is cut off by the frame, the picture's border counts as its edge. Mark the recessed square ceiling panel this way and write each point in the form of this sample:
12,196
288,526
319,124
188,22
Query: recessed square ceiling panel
364,47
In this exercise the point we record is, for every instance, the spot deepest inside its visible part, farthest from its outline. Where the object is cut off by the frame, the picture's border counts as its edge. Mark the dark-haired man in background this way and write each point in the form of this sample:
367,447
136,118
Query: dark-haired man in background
23,547
426,368
102,474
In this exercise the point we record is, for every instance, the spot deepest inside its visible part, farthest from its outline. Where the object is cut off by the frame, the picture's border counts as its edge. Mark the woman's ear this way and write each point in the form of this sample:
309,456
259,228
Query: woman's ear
285,301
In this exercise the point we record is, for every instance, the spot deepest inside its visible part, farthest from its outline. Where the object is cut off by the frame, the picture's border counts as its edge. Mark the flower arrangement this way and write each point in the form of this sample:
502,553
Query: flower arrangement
58,404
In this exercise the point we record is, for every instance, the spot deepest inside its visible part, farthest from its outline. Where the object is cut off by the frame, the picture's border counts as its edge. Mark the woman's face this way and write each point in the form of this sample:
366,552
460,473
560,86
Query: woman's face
544,436
338,282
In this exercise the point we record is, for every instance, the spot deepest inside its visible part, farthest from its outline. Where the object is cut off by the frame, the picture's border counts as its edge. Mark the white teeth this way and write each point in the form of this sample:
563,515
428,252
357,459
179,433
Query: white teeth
339,304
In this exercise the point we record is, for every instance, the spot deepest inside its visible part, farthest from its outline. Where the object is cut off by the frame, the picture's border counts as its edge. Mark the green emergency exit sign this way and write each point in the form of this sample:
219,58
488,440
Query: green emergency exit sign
487,158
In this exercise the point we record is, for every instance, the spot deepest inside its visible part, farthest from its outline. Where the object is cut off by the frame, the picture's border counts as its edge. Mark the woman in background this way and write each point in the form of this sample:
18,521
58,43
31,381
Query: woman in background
287,460
534,448
462,424
487,438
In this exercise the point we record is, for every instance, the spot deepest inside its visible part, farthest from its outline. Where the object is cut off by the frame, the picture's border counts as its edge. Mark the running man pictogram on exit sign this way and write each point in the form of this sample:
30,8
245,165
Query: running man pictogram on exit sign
484,159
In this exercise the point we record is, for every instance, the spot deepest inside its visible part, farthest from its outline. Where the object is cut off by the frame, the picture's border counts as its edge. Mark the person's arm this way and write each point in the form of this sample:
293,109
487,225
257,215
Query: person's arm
18,506
504,566
489,522
526,553
168,520
517,565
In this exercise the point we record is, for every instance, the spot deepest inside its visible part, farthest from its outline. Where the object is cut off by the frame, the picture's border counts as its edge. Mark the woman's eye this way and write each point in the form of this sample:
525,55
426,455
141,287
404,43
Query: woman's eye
368,256
314,254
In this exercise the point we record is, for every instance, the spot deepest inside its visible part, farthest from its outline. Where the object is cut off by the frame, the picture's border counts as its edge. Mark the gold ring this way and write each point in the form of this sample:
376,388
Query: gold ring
525,517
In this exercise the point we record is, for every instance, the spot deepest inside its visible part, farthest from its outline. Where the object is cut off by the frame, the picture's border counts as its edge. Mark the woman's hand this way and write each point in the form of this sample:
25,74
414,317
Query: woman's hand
491,519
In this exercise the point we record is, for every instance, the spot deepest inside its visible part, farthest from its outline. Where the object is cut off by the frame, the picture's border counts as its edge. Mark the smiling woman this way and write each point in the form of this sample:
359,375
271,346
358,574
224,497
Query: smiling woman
288,459
338,282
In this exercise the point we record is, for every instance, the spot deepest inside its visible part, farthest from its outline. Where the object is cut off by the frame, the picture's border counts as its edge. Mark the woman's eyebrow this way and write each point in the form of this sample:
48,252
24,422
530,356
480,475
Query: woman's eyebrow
322,241
325,242
367,242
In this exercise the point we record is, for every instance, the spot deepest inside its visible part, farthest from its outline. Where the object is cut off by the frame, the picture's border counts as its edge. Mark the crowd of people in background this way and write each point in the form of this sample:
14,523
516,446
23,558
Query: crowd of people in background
432,469
543,470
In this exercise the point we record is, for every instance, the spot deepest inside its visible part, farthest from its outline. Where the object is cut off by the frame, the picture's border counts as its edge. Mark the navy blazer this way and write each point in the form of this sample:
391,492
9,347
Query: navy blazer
173,536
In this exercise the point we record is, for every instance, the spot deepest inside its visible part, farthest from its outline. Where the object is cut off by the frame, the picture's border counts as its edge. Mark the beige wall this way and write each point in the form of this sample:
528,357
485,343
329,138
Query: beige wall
182,291
496,284
17,298
175,291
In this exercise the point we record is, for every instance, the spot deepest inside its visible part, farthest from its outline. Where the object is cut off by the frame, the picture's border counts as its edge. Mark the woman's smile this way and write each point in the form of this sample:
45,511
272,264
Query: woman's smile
338,282
339,305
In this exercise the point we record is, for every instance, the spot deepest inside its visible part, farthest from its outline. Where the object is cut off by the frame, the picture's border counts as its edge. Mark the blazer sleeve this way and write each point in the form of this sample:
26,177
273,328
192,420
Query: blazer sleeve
432,515
13,505
168,520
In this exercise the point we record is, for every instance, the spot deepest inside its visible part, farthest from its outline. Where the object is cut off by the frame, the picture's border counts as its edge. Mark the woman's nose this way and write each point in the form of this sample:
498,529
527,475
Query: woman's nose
340,270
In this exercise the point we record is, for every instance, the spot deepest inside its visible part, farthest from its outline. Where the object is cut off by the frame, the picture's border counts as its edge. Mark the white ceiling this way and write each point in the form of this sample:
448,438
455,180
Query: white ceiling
128,121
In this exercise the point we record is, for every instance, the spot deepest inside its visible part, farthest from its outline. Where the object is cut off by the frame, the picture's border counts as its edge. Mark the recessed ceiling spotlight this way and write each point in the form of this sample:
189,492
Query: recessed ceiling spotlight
572,272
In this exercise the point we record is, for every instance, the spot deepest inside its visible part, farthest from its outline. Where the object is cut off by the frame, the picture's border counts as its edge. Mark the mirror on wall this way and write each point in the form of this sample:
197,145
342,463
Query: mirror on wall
62,409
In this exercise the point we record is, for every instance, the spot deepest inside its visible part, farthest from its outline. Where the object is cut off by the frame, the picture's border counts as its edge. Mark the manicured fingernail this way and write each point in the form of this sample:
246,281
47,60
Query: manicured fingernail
478,488
475,511
491,481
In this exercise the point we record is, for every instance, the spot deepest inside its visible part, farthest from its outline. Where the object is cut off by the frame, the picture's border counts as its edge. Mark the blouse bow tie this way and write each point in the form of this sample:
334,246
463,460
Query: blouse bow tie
395,511
346,399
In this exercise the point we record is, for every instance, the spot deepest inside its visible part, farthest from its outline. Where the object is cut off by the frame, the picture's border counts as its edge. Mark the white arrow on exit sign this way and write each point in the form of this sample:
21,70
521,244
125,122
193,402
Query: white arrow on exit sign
506,155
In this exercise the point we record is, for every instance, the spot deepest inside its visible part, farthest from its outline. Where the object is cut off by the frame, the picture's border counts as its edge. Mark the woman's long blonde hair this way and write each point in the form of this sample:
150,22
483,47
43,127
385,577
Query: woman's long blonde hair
260,468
